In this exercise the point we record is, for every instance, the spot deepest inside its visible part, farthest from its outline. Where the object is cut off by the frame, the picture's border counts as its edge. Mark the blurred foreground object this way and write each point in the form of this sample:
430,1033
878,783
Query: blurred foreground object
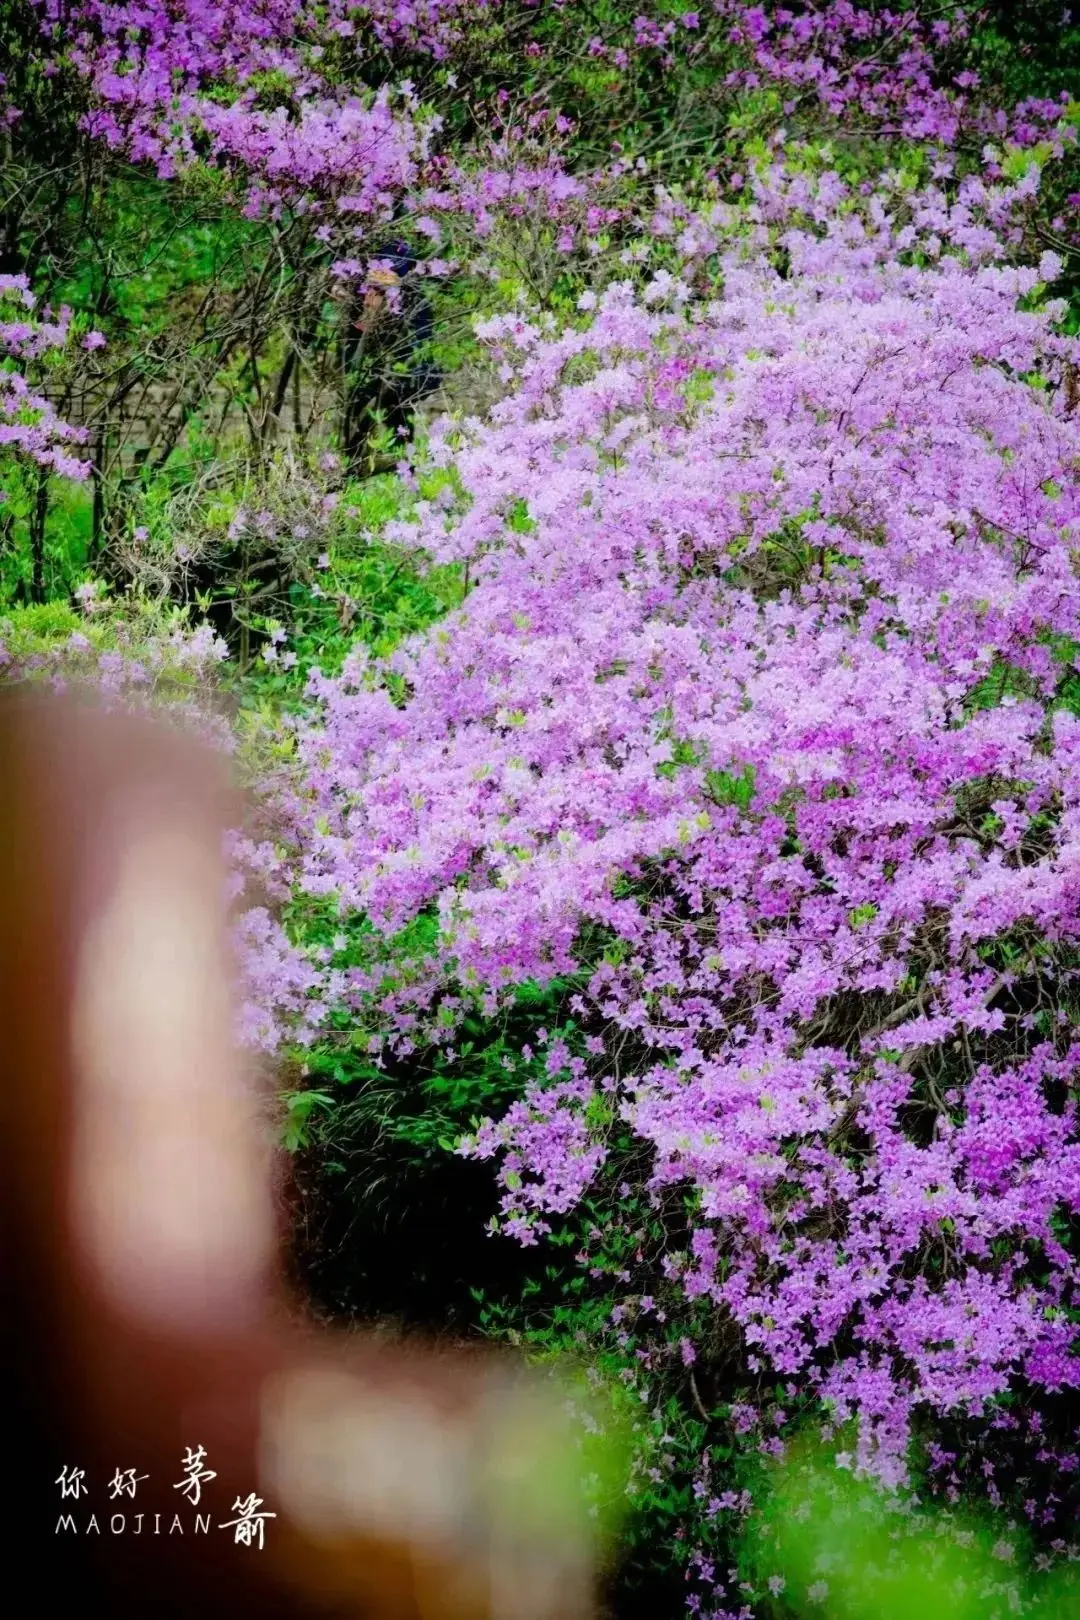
827,1545
181,1448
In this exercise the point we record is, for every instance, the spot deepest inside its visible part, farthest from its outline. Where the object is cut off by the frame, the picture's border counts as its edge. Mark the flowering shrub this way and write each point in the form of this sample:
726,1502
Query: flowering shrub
309,110
30,429
762,720
272,92
124,649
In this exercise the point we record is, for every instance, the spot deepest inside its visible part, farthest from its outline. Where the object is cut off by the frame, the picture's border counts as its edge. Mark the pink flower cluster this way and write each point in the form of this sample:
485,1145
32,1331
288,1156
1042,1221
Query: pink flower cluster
170,85
434,26
30,429
864,63
753,720
306,107
275,95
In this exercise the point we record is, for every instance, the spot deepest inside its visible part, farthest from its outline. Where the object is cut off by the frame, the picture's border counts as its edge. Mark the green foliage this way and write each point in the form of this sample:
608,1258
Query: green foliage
400,1220
146,255
731,787
42,640
37,627
824,1543
425,1106
1033,48
67,536
299,1107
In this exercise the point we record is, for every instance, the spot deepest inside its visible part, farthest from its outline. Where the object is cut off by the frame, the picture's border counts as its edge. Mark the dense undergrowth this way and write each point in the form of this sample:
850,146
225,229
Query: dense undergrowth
660,901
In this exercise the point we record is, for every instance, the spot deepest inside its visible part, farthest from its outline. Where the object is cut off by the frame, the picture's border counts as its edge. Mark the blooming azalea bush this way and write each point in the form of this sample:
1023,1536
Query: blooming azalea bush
309,111
761,723
276,99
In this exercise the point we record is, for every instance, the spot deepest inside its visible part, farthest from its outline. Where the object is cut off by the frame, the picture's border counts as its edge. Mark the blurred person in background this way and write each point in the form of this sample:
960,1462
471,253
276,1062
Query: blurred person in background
386,356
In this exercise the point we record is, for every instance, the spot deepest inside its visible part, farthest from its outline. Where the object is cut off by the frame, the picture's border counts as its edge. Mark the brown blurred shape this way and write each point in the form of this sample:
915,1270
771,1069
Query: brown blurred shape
146,1315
